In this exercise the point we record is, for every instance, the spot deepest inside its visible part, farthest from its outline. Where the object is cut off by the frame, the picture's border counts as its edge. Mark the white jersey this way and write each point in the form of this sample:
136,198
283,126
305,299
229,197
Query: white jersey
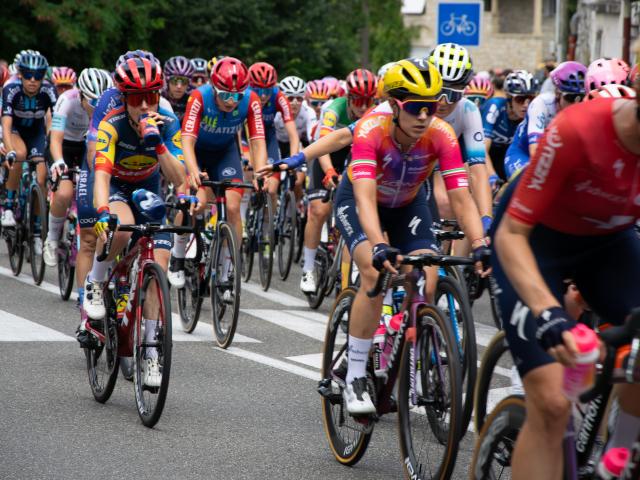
69,116
305,121
540,112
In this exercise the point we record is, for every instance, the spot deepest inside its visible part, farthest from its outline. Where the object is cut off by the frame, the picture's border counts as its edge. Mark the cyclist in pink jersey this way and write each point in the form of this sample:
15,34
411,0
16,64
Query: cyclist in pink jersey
383,191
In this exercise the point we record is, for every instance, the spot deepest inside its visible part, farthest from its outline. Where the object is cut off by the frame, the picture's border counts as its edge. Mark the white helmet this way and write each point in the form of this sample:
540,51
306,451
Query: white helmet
521,82
453,62
611,90
93,81
383,69
293,86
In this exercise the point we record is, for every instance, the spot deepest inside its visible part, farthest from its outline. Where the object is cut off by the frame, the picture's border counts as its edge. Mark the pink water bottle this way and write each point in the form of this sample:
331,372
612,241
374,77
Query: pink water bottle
383,341
612,463
580,378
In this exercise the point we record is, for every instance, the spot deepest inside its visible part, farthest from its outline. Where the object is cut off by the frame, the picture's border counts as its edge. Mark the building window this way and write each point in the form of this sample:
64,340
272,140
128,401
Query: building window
487,5
549,8
516,16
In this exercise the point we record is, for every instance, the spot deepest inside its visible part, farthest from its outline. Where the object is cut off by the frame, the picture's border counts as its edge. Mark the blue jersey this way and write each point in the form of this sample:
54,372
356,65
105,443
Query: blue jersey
495,120
28,113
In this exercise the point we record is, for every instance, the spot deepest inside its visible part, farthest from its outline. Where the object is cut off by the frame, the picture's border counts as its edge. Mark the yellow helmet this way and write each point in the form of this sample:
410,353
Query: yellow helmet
213,61
380,90
412,77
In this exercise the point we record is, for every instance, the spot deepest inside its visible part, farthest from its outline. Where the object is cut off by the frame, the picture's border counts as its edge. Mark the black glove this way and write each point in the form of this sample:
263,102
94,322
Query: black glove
482,254
11,157
382,252
552,323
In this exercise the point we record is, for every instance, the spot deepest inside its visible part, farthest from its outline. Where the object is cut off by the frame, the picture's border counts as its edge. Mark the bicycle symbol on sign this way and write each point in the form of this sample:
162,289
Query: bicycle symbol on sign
458,25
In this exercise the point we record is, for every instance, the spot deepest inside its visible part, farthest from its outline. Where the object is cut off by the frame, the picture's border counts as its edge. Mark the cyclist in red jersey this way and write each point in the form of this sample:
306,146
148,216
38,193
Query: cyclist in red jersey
570,215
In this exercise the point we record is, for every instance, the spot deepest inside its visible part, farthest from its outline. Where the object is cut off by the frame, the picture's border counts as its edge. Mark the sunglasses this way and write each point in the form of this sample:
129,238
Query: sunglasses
179,81
452,95
32,74
295,99
263,92
317,103
226,96
520,99
572,97
360,102
136,99
416,107
198,80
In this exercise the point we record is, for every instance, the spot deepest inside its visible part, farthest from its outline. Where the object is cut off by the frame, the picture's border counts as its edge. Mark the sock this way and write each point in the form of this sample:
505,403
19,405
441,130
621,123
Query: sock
625,432
179,248
388,297
309,259
99,270
149,337
80,295
8,204
226,262
55,227
358,357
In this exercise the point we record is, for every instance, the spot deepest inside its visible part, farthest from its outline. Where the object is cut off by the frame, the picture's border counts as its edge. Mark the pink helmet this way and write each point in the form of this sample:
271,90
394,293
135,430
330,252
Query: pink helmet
611,91
605,71
332,83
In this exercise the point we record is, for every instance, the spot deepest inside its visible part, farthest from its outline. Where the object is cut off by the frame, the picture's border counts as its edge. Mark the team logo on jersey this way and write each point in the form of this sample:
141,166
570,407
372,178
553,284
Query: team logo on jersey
228,172
329,120
545,161
367,125
177,139
137,162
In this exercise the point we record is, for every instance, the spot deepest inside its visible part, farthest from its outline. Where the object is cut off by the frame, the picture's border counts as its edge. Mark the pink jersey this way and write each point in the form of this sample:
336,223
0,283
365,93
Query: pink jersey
375,155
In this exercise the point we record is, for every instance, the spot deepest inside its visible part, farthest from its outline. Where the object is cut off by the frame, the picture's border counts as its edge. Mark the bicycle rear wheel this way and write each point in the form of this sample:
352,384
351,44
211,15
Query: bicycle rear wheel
189,297
322,273
348,438
154,288
494,447
249,243
13,237
66,271
429,423
266,243
287,236
301,223
37,233
225,285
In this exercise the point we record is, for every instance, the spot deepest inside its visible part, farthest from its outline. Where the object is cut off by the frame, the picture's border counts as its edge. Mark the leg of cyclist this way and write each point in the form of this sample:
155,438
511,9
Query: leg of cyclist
319,212
87,217
8,219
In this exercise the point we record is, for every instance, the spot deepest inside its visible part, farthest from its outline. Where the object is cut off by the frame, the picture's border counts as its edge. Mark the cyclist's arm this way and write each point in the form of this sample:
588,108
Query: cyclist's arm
169,153
284,108
101,182
7,124
332,142
189,152
473,138
55,144
479,180
259,155
107,139
91,153
257,141
58,125
489,162
532,149
190,129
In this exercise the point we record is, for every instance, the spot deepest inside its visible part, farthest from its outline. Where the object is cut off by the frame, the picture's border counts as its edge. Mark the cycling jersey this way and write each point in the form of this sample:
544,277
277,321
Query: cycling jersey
578,182
375,155
69,116
215,129
334,116
28,113
277,103
178,106
499,129
305,121
467,125
121,152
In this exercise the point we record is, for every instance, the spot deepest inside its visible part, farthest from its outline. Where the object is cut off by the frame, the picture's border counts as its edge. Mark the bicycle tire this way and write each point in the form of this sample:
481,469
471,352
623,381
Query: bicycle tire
66,271
225,235
102,387
492,287
15,247
301,223
496,348
497,438
189,298
463,316
287,236
322,267
347,443
148,411
266,243
438,405
37,260
248,245
127,368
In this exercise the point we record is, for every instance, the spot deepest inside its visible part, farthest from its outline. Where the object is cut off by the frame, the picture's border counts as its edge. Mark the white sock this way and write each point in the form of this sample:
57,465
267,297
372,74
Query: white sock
179,248
358,357
149,337
388,297
226,262
55,227
626,430
99,270
309,259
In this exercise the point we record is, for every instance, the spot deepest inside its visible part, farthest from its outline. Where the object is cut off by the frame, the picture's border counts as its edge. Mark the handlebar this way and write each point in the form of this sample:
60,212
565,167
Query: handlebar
330,192
68,175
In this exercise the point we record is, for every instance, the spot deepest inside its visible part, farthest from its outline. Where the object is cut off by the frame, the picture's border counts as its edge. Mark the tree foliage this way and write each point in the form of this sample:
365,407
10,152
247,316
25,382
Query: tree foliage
310,38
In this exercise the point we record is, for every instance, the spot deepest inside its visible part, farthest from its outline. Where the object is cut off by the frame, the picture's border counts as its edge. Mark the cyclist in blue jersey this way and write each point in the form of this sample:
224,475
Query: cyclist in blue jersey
26,113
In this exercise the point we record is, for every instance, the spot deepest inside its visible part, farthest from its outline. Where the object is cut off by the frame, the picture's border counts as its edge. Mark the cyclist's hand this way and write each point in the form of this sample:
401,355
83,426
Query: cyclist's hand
553,334
157,117
494,182
3,149
482,260
192,200
195,178
10,157
102,225
57,168
385,257
328,180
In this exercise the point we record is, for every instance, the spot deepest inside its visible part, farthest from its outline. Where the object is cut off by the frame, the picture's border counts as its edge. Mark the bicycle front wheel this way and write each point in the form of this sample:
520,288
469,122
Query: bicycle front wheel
225,285
287,237
430,409
266,243
189,297
153,302
15,247
37,233
66,270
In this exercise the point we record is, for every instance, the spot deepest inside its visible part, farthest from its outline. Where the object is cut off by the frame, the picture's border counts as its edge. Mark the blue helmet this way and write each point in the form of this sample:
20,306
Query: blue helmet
32,61
136,54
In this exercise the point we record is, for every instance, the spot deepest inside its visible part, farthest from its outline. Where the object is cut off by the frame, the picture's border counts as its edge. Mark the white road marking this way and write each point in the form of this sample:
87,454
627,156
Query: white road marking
272,362
311,360
17,329
272,295
295,322
484,333
28,279
202,333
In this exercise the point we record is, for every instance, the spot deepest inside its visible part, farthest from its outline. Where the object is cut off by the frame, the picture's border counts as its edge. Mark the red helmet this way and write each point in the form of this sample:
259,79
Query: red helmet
262,75
4,75
138,75
230,75
362,83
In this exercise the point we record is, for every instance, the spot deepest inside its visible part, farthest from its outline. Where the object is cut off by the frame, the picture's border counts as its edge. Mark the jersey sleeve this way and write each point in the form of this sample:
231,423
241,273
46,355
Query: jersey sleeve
449,157
172,136
473,135
99,113
284,107
107,139
538,118
312,120
490,118
52,96
364,151
60,113
254,117
7,101
193,114
558,153
328,122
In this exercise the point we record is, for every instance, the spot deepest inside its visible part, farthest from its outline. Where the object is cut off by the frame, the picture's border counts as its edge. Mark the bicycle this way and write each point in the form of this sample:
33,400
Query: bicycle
421,360
212,269
30,230
260,237
121,333
69,238
582,448
286,224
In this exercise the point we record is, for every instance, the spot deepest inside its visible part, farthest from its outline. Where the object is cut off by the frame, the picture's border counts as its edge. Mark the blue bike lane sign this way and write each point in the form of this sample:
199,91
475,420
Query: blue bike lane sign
460,22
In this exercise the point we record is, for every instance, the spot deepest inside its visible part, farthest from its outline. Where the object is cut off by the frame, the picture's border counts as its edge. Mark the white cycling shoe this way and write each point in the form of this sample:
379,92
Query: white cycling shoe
308,282
50,253
357,398
93,302
151,372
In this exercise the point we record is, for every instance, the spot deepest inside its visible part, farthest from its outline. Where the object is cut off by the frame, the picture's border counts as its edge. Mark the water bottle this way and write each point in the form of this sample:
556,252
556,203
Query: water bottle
149,205
122,296
612,463
383,341
398,298
149,130
580,378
